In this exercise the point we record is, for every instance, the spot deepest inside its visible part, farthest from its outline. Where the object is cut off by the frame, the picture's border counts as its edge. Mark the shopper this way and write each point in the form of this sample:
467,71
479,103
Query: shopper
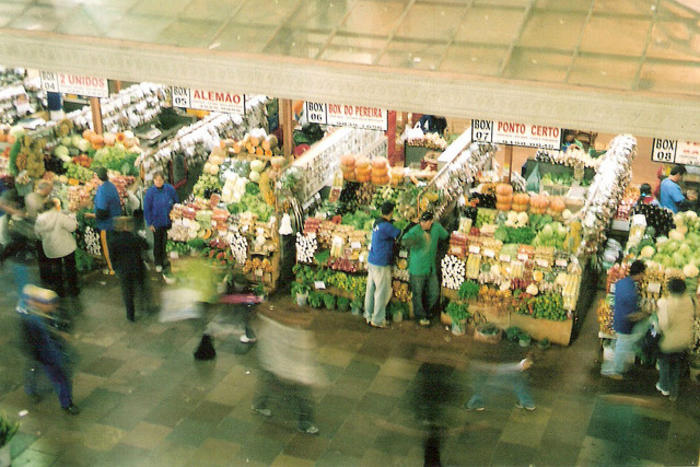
43,347
646,196
55,230
107,207
671,196
380,259
422,241
287,356
503,374
676,314
628,321
127,256
33,205
158,202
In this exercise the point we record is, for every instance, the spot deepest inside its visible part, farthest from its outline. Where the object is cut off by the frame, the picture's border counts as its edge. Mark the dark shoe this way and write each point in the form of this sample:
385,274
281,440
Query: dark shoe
36,398
72,409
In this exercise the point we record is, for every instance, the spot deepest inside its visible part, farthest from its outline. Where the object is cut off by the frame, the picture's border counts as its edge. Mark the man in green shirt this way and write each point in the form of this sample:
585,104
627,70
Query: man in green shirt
422,241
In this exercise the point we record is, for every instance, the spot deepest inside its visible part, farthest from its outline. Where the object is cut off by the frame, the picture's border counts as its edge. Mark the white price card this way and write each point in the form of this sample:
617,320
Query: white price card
473,249
259,272
356,245
543,263
654,287
505,258
562,263
612,288
403,254
320,285
523,257
489,253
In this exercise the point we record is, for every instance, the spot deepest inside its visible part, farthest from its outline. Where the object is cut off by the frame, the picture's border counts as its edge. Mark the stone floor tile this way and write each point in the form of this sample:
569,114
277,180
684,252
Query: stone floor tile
190,432
146,435
362,370
34,458
333,458
513,454
216,452
306,447
399,368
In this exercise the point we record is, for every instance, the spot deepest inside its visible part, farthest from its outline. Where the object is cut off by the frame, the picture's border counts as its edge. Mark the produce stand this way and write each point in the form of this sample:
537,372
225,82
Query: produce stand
527,255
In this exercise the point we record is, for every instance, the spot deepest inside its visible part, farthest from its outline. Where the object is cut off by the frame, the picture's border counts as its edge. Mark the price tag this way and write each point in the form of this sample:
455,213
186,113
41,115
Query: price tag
612,288
356,245
489,253
320,285
259,272
504,258
403,254
562,263
311,235
523,257
473,249
543,263
654,287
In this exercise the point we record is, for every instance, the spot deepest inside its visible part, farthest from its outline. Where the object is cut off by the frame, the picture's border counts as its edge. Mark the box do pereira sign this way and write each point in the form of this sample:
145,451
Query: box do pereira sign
356,116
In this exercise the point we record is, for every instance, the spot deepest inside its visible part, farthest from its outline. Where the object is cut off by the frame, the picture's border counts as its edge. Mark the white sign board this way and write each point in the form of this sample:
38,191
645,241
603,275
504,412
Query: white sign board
516,134
673,151
356,116
67,83
215,101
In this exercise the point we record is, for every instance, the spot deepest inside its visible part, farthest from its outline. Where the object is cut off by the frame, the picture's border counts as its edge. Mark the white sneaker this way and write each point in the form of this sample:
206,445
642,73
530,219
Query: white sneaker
663,393
247,340
159,268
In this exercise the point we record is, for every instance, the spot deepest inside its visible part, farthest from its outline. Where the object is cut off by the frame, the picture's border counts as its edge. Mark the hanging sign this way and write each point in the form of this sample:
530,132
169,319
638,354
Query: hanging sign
516,134
214,101
67,83
675,152
356,116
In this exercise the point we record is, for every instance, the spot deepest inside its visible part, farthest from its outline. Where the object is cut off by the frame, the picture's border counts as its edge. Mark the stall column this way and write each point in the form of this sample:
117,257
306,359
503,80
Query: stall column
286,121
96,109
395,157
509,161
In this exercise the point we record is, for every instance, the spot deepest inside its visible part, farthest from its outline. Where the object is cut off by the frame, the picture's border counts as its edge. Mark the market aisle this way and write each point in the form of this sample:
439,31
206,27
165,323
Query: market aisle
145,401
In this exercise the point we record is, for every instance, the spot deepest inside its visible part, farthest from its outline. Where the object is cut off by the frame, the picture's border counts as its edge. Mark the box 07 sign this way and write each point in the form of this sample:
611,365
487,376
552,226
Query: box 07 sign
675,152
215,101
356,116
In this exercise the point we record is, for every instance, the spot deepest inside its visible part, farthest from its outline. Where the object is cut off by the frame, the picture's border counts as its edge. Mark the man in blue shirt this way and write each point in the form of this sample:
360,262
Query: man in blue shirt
670,193
380,259
625,317
107,207
157,204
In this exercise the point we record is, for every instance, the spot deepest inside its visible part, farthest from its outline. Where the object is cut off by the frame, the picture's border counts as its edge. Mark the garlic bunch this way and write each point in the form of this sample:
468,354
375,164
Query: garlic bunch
454,271
306,248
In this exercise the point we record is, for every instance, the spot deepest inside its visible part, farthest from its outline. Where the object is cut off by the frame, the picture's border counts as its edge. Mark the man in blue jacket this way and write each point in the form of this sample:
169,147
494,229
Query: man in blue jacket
158,202
107,207
380,259
671,196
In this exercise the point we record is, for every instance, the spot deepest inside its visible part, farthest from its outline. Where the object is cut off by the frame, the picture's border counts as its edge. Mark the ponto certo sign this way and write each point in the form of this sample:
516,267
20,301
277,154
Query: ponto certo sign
535,130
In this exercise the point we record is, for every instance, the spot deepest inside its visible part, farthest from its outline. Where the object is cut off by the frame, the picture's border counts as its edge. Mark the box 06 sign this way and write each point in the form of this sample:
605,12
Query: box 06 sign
67,83
676,152
215,101
356,116
516,134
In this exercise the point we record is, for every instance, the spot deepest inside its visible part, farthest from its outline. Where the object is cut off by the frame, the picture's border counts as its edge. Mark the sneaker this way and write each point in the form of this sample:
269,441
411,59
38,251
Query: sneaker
247,340
309,429
424,322
380,326
72,409
529,406
615,376
169,280
159,268
261,411
663,393
475,408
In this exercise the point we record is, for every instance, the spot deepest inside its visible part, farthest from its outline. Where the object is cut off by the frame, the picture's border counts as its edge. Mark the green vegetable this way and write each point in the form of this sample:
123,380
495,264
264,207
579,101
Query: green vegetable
116,158
315,299
343,304
78,172
457,311
329,301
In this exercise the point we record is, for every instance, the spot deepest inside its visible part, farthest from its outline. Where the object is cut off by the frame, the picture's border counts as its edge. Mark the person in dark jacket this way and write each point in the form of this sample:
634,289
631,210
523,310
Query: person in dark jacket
127,257
158,203
42,346
107,207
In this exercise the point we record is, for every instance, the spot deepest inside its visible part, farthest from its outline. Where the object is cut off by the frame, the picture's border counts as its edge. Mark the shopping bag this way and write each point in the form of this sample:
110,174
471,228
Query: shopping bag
650,344
179,304
533,181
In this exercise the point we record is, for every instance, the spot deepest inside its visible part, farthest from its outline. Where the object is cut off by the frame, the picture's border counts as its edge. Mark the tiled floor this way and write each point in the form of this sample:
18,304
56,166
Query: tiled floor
145,401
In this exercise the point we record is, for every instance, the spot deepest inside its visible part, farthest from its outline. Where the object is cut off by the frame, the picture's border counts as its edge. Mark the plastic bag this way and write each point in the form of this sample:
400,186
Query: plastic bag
533,180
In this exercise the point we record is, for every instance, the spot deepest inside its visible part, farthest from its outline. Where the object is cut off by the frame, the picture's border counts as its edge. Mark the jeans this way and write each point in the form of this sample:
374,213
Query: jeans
517,380
58,378
626,347
160,237
378,293
426,291
670,365
56,268
133,282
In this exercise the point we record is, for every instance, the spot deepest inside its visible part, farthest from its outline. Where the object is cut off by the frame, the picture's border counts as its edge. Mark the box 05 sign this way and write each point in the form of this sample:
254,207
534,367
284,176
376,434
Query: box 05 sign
516,134
356,116
675,152
215,101
67,83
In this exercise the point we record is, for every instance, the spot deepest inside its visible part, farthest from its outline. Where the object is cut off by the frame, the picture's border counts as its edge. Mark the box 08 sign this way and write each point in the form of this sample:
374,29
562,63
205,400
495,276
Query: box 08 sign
356,116
215,101
678,152
516,134
67,83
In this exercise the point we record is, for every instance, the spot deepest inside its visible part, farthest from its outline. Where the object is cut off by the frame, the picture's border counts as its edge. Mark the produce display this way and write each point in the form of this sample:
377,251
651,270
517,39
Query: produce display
428,140
572,157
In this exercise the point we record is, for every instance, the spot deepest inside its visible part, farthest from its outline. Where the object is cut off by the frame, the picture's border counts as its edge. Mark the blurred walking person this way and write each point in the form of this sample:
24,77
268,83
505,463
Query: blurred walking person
45,349
511,375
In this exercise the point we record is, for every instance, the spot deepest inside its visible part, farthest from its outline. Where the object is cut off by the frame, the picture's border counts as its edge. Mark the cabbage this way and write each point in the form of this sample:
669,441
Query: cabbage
690,271
83,145
647,252
254,174
257,166
75,140
62,153
66,141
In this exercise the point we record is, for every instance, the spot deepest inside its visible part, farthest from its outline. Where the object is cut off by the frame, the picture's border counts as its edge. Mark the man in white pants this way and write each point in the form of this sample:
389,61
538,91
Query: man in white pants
380,259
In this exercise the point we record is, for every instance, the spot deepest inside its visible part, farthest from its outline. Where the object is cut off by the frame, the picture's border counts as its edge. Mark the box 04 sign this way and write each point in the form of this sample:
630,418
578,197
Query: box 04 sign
516,134
356,116
678,152
67,83
215,101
